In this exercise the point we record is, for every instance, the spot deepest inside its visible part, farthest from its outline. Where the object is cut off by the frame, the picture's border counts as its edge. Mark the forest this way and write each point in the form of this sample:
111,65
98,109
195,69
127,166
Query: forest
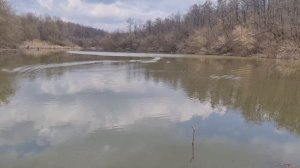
232,27
228,27
15,29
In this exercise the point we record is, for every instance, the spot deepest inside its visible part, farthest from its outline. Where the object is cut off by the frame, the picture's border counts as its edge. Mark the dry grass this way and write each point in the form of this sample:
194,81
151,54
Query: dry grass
38,44
288,50
243,41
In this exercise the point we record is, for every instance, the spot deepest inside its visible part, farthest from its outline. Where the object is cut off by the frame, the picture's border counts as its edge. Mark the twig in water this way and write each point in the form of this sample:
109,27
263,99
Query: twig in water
194,132
193,144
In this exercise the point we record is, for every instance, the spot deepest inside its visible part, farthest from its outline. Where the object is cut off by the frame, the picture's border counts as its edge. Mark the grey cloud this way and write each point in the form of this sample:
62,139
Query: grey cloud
101,1
107,14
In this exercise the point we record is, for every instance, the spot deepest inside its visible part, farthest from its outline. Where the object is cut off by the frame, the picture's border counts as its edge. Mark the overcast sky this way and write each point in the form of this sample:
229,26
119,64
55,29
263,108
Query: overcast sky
106,14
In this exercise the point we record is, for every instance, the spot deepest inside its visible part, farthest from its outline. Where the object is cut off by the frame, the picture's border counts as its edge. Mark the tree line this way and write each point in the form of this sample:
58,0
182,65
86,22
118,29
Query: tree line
235,27
241,27
15,29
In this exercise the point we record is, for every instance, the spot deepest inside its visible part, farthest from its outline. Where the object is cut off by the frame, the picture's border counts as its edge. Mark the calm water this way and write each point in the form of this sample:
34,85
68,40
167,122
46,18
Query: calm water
137,111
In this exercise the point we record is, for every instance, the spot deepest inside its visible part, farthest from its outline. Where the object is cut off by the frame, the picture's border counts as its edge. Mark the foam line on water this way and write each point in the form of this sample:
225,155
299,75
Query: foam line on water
228,77
156,59
31,68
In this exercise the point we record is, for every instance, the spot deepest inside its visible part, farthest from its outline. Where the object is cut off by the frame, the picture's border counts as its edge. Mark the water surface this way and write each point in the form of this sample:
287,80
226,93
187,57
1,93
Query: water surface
136,110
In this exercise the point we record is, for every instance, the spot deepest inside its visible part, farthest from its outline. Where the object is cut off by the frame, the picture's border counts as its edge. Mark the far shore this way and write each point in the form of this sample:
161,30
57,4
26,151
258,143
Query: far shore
75,50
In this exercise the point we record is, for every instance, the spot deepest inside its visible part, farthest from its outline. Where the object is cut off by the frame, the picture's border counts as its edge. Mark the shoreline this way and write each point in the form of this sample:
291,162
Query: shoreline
175,55
78,50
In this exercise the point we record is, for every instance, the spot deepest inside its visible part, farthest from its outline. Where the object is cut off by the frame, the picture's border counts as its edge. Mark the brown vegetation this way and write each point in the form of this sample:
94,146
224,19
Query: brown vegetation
39,45
239,27
232,27
15,30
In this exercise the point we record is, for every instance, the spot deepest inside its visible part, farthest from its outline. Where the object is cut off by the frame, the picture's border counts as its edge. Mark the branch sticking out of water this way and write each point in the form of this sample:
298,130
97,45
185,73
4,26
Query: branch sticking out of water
193,144
194,132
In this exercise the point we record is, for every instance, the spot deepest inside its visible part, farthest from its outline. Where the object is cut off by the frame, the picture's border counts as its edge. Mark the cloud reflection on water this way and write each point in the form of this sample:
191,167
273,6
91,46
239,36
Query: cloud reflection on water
82,102
112,114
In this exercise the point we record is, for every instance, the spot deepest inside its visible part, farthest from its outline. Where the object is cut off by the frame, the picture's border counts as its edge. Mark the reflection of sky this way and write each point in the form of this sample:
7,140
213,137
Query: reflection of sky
48,111
80,102
233,125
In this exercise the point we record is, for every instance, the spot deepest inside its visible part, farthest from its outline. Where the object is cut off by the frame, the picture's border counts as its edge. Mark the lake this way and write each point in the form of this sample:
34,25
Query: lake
120,110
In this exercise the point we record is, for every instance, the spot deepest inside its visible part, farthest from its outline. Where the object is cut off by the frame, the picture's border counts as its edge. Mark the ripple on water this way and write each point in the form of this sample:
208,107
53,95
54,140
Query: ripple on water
227,77
31,68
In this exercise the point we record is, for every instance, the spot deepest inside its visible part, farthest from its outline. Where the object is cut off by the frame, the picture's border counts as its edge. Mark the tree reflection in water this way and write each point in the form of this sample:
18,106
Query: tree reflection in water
262,90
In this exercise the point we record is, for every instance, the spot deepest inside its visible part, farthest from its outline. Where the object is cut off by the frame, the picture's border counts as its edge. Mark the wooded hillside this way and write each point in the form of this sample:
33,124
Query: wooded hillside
234,27
239,27
16,29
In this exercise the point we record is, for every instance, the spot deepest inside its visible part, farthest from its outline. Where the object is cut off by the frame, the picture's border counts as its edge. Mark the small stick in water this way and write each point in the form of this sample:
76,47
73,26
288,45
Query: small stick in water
193,144
194,132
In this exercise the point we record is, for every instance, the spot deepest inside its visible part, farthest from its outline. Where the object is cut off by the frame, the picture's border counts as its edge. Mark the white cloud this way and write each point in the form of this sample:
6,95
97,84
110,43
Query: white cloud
111,15
74,3
119,10
104,106
46,3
